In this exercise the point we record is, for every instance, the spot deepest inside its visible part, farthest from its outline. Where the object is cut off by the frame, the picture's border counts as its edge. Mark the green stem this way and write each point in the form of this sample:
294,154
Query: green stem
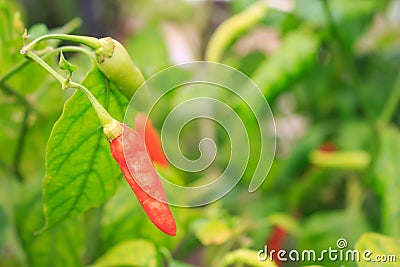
70,48
10,91
32,55
69,27
353,193
391,105
312,178
349,59
91,42
105,118
332,25
167,255
22,64
232,27
16,68
20,146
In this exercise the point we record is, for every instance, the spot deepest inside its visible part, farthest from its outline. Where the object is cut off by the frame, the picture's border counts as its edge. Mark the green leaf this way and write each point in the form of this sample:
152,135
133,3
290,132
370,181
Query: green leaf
37,30
11,29
148,39
379,245
387,171
80,171
351,17
65,65
213,232
11,251
3,227
294,57
313,10
137,252
59,246
246,256
122,218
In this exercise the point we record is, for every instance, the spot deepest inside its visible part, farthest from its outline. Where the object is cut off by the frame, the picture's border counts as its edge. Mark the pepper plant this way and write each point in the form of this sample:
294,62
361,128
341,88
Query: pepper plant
329,71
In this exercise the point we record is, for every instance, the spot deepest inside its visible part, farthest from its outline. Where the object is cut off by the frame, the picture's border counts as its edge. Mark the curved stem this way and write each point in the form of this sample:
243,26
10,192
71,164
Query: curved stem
91,42
10,91
69,27
353,193
46,66
70,48
14,69
104,117
110,125
23,63
232,27
350,61
391,105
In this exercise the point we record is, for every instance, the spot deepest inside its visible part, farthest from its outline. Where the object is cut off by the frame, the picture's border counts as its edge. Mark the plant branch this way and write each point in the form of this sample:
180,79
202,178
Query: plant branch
20,146
391,105
10,91
102,114
91,42
22,64
44,65
232,27
353,193
349,59
105,118
68,48
69,27
16,68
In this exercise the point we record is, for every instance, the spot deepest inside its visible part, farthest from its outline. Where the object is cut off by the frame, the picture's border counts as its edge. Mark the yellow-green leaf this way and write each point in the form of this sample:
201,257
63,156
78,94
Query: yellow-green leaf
137,252
379,250
246,256
213,232
387,171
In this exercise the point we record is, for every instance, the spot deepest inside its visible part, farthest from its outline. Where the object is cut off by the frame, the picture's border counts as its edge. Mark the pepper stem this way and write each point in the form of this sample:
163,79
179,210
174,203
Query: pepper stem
112,128
91,42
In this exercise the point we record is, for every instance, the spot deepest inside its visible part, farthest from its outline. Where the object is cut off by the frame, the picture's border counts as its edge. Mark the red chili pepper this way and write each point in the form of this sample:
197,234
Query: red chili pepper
144,126
129,149
328,147
276,241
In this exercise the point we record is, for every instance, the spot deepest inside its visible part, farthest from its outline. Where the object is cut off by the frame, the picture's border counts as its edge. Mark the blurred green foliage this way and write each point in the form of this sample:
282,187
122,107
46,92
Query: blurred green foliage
330,71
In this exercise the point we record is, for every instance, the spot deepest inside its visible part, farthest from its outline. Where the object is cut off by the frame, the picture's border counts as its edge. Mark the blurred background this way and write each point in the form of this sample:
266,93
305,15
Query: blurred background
329,71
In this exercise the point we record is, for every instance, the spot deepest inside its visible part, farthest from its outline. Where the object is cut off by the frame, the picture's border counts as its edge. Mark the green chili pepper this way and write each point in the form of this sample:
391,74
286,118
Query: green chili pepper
114,61
296,54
